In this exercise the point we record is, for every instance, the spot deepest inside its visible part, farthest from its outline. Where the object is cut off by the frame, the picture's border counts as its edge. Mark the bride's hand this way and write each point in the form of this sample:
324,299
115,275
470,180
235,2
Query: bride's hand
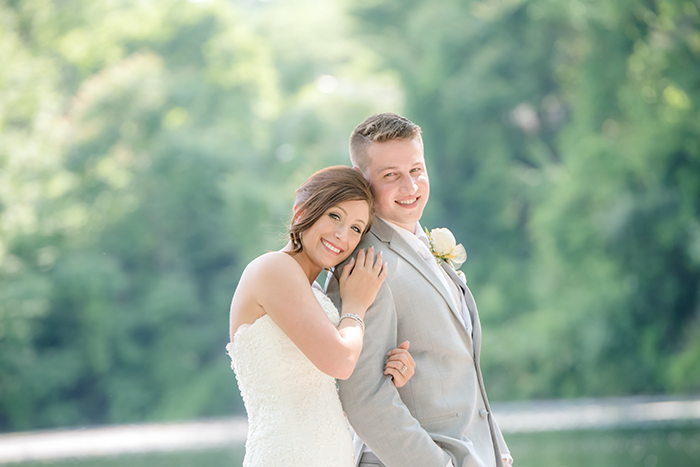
399,359
361,280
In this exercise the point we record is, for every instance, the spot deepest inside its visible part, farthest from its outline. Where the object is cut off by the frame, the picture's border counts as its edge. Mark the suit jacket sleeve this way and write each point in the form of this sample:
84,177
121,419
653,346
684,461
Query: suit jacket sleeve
502,446
372,403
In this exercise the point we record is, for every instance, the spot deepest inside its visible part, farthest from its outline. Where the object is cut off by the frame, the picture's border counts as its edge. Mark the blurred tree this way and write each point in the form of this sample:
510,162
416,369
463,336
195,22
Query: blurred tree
620,224
30,172
149,150
130,238
562,144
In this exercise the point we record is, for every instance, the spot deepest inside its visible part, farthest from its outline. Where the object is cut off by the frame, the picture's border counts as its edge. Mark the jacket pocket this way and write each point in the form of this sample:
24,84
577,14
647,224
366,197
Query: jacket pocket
438,419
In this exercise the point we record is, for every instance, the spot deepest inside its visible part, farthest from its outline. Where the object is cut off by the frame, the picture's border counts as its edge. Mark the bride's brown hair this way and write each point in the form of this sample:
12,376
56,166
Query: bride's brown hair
327,188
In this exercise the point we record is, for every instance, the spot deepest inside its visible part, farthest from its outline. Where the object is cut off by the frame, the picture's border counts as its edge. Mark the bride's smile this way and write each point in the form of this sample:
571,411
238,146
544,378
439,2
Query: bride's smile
332,238
330,246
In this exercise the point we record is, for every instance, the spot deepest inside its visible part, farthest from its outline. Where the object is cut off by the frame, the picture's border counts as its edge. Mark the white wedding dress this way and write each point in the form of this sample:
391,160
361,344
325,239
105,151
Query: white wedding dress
294,413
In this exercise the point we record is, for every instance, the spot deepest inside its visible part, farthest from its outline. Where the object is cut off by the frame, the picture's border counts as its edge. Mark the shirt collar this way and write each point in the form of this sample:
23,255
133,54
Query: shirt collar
413,239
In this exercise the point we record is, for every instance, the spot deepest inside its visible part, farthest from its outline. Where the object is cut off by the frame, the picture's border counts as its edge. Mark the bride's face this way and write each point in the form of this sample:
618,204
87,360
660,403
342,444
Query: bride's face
335,234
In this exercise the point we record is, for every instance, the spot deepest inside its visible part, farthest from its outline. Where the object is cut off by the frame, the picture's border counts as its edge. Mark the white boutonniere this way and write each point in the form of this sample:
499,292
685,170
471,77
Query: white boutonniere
444,247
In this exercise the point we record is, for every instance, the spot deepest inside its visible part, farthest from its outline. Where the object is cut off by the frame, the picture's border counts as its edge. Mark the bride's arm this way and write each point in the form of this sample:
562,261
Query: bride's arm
279,285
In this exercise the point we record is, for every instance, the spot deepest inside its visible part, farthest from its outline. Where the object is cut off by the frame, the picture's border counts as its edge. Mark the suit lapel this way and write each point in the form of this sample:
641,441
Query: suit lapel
388,235
471,305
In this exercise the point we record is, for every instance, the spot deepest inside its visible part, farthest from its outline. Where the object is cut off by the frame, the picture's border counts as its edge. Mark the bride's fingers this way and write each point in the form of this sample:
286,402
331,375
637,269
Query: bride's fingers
395,375
407,359
347,269
377,266
369,258
399,363
408,372
379,261
400,377
396,365
361,254
393,372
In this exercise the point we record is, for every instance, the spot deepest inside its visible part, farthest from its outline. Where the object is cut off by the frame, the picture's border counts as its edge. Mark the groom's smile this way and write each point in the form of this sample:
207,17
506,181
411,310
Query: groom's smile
399,181
409,203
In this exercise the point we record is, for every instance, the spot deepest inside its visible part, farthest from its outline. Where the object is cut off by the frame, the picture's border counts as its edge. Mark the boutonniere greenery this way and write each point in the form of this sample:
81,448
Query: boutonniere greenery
444,247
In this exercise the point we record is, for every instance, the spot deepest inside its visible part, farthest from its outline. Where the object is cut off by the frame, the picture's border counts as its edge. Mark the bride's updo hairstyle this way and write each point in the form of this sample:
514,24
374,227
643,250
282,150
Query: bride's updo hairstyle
327,188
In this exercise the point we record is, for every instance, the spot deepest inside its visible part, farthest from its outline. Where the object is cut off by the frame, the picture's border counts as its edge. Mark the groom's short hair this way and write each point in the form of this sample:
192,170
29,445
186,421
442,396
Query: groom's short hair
379,128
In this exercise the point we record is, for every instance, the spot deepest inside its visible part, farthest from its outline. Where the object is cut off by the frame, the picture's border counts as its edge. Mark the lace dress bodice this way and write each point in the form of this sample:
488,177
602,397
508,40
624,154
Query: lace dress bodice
294,413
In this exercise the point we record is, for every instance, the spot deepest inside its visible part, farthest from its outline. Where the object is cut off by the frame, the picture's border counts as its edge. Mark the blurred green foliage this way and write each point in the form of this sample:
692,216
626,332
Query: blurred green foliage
149,150
565,146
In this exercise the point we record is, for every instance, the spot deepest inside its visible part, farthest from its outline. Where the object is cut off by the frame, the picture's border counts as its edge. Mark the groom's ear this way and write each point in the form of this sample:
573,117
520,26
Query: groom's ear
366,176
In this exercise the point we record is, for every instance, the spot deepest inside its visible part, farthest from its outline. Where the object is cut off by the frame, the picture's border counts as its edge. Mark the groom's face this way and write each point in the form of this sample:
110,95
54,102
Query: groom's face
399,181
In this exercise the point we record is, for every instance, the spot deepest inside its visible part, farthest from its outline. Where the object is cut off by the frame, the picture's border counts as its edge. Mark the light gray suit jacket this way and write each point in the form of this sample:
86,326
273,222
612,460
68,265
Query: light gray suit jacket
442,413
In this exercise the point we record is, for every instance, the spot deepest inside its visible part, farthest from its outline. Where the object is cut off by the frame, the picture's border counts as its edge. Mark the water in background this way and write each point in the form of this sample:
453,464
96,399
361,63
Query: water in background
649,447
630,432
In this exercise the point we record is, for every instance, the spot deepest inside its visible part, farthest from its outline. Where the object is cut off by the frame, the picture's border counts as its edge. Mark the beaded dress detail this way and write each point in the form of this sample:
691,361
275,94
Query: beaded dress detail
294,413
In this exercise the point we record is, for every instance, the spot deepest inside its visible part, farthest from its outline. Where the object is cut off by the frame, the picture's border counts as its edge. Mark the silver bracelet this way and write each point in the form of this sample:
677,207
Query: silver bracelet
356,318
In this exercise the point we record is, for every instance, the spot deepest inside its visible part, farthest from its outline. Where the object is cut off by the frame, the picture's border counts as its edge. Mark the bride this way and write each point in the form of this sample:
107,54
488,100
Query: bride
288,341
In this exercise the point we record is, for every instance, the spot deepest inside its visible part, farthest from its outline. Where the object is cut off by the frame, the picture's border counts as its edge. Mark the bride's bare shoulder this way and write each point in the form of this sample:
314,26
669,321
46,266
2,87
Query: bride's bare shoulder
273,259
271,265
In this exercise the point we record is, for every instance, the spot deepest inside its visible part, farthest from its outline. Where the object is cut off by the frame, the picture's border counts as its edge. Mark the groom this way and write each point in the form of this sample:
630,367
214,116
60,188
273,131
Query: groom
441,417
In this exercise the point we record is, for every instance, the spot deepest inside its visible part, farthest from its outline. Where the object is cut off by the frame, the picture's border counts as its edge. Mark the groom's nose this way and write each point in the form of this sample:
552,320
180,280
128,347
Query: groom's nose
408,184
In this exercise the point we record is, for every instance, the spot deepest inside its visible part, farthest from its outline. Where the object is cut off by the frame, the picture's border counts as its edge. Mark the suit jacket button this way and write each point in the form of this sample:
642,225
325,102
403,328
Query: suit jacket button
483,413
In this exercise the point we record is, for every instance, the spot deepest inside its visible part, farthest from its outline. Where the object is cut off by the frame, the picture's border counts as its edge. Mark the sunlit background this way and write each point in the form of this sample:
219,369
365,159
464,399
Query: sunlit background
149,149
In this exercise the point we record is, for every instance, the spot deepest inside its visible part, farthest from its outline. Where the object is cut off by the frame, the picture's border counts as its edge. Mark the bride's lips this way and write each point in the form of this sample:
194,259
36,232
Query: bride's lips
330,247
408,203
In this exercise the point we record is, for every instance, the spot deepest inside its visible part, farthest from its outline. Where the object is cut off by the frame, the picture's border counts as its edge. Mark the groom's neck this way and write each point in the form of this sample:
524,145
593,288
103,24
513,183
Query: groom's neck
410,227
